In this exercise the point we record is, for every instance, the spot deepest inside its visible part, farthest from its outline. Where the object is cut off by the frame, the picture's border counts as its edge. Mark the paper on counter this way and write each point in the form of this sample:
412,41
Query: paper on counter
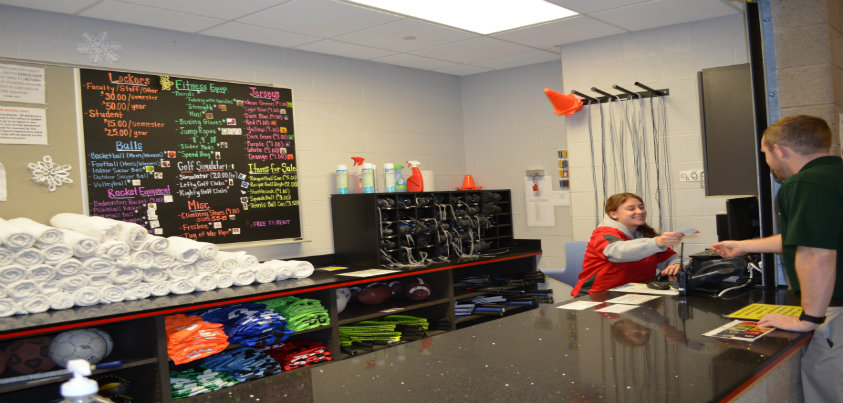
632,299
579,305
368,273
617,308
642,288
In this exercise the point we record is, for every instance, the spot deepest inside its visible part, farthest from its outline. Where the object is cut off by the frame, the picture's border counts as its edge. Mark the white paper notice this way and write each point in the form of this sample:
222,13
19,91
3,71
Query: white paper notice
19,125
579,305
540,212
22,84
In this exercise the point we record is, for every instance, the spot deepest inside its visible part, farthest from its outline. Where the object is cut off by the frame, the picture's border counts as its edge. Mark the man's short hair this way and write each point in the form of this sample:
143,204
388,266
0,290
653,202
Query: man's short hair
801,133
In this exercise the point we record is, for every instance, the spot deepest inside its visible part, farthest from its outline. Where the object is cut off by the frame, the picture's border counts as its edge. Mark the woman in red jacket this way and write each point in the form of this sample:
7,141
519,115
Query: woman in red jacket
625,249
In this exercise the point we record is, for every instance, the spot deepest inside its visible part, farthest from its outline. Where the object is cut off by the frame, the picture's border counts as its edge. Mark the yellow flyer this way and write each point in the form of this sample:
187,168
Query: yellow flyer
756,311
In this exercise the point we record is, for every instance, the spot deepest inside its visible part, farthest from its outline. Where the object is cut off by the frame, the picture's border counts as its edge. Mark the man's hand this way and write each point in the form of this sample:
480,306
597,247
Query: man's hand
728,248
670,270
786,322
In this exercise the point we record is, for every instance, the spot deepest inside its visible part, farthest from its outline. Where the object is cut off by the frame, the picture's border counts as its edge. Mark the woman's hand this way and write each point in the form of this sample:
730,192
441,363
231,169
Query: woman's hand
669,238
670,270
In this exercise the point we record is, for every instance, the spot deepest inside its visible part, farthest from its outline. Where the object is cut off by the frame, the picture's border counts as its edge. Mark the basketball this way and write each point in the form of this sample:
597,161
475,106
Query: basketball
29,355
416,289
83,343
374,294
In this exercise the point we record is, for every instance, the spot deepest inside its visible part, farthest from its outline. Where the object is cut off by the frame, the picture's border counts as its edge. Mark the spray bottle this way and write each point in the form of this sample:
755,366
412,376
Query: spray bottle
342,179
415,183
357,176
80,389
368,178
400,182
389,177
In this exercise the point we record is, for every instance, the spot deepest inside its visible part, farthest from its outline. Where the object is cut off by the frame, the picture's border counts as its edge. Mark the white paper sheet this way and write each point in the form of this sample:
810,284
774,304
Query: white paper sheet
23,84
19,125
618,308
632,299
579,305
641,288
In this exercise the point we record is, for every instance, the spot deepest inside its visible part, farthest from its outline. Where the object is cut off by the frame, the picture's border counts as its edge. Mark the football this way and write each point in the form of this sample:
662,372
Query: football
29,355
416,289
374,294
397,289
343,295
83,343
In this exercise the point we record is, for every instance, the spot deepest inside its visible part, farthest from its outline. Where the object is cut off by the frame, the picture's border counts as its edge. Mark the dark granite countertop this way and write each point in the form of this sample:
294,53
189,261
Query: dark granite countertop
654,353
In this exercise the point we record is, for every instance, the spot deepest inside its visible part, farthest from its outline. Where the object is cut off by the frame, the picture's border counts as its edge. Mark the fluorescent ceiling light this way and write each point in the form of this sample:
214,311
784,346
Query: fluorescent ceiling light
481,16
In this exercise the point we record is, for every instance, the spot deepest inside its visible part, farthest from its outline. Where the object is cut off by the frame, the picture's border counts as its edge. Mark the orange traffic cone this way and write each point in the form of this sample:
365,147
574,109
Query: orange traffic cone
563,104
468,184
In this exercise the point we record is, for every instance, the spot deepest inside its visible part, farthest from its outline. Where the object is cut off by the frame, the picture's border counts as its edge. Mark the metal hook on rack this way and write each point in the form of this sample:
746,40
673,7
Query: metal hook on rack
604,93
628,92
655,92
586,97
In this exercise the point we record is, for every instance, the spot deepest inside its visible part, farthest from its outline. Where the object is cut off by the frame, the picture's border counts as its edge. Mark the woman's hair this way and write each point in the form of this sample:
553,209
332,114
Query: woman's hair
616,200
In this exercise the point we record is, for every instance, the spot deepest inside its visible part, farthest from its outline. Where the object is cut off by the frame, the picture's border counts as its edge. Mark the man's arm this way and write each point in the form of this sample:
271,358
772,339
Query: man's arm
815,268
770,244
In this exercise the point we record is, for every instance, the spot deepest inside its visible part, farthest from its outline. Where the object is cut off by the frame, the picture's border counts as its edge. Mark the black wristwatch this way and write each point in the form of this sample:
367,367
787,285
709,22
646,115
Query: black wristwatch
813,319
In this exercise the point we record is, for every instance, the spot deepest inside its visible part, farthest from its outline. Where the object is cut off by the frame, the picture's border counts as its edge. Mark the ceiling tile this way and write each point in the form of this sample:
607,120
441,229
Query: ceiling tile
519,60
462,70
149,16
252,33
553,34
590,6
223,9
337,48
418,62
473,50
65,6
660,13
391,35
322,18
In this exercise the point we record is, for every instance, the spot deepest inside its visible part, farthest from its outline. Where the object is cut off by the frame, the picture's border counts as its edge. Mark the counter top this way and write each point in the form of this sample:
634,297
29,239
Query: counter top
654,353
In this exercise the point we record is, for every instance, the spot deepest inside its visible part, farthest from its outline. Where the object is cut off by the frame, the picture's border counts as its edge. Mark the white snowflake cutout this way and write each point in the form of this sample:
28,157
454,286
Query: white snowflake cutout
49,173
98,49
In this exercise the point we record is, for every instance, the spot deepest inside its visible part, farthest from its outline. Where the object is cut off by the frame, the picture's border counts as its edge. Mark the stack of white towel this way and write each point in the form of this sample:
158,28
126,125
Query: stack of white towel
81,260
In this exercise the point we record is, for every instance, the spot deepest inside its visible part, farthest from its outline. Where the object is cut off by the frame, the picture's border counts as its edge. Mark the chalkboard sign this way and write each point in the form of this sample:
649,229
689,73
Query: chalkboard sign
206,160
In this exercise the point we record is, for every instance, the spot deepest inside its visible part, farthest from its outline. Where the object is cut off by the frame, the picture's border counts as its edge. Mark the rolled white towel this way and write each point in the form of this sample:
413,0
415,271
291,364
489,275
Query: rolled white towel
50,287
56,253
133,234
61,300
68,267
229,261
112,293
138,291
125,275
113,249
301,268
97,265
73,283
99,280
182,286
156,244
163,260
140,258
82,245
14,237
86,296
29,257
99,228
3,293
204,282
283,270
206,266
154,275
7,256
8,307
41,273
159,289
23,289
12,273
224,280
43,234
243,277
180,271
265,273
34,304
188,250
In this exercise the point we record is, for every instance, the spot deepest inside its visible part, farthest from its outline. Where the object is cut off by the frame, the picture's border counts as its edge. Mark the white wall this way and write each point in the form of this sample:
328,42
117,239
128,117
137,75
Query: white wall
669,58
510,127
343,107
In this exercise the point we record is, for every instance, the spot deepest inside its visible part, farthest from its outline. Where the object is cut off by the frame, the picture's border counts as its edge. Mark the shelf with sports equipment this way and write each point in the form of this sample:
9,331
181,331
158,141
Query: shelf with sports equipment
419,303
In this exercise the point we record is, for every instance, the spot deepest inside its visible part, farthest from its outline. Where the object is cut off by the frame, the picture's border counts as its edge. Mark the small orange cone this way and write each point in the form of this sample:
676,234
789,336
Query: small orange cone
468,184
563,104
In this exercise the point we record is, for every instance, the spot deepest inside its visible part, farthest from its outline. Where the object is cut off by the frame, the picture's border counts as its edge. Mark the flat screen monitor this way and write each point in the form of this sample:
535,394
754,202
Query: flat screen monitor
742,218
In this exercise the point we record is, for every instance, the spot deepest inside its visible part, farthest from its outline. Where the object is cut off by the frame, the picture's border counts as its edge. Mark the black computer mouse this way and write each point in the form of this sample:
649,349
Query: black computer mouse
658,285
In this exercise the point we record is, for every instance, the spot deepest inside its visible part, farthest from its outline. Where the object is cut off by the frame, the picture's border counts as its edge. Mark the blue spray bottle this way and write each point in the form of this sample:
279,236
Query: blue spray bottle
400,182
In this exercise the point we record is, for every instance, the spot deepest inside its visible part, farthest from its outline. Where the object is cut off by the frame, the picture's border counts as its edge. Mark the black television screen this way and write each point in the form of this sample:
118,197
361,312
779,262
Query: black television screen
742,218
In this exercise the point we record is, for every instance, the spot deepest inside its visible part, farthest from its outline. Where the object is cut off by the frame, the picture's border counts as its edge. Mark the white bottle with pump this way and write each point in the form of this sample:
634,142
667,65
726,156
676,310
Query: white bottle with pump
389,177
80,389
342,179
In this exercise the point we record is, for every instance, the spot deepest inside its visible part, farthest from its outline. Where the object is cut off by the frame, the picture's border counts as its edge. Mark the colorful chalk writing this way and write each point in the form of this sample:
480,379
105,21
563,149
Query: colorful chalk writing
207,160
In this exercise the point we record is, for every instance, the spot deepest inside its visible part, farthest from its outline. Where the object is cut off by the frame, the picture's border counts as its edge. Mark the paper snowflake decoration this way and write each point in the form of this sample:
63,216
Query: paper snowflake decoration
98,49
49,173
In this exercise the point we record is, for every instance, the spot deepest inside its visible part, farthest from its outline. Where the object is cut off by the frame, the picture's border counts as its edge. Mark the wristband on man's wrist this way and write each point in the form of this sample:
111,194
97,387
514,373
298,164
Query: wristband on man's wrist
813,319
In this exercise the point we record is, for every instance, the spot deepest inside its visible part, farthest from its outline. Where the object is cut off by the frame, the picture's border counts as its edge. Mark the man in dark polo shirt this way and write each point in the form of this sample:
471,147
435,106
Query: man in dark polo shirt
810,204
